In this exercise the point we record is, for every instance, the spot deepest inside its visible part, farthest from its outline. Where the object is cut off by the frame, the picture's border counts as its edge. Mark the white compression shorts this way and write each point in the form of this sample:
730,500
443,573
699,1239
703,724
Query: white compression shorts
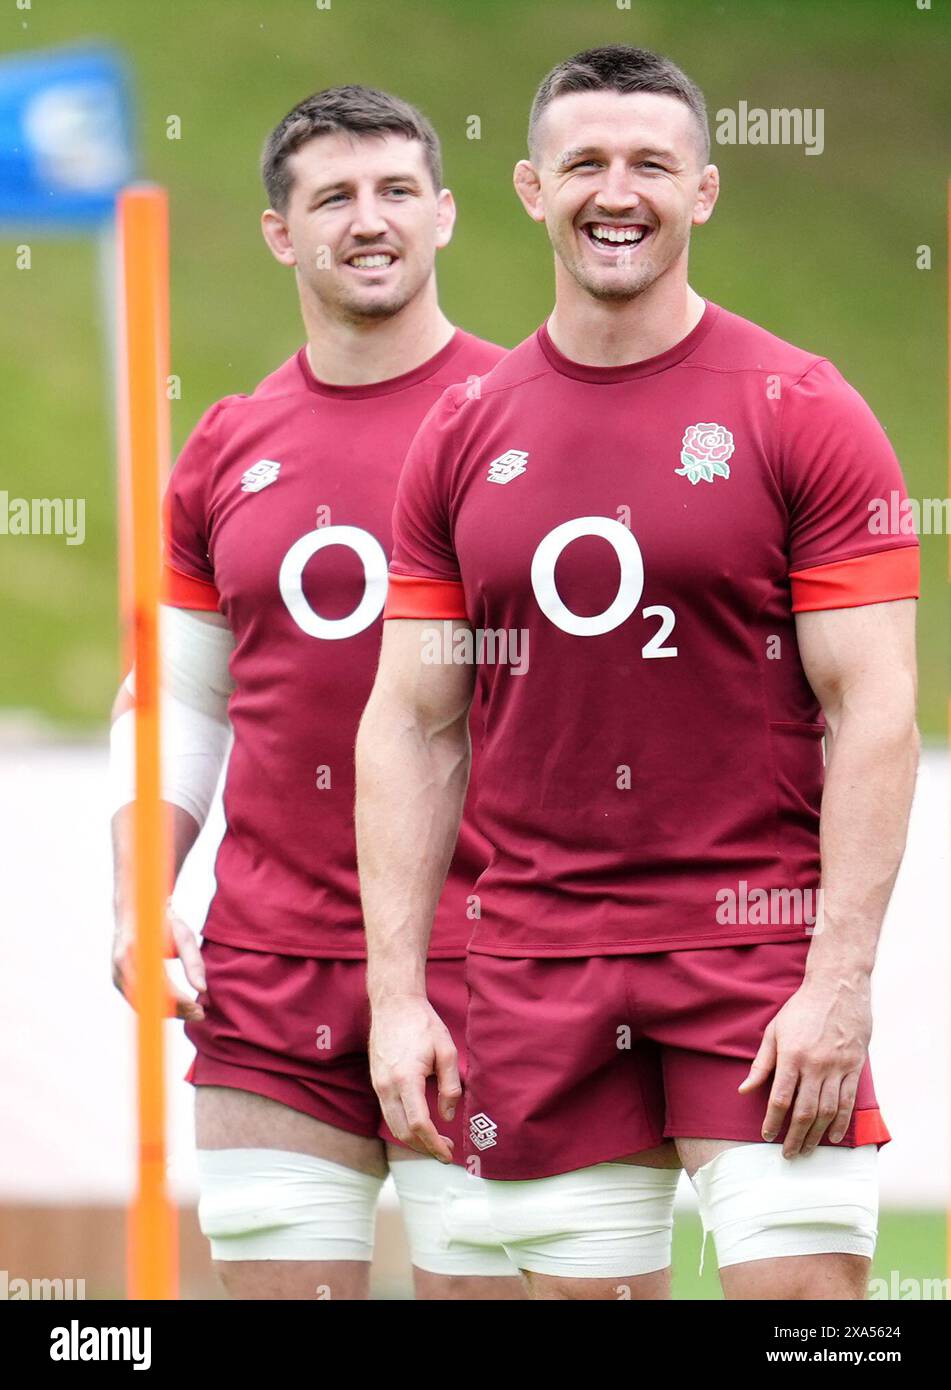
446,1216
195,687
759,1205
609,1221
271,1204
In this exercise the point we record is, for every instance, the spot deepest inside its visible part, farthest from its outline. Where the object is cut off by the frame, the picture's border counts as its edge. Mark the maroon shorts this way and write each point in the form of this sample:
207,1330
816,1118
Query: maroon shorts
580,1061
295,1029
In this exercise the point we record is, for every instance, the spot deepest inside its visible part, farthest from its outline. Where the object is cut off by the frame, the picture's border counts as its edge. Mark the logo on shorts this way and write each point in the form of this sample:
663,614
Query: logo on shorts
483,1132
704,451
260,474
507,466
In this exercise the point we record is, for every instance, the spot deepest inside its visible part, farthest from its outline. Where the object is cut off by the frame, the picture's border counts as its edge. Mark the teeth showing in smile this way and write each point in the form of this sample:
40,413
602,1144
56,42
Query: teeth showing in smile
629,236
376,262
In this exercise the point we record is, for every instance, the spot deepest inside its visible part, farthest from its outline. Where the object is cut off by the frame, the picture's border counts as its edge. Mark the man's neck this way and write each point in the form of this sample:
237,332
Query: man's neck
615,332
359,352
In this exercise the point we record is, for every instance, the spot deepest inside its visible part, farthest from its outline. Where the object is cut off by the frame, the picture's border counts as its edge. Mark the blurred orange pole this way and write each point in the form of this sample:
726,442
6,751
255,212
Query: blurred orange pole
144,437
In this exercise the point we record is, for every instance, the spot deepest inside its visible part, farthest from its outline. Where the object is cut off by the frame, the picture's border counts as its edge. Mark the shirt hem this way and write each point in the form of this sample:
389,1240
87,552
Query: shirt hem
639,947
277,946
554,1167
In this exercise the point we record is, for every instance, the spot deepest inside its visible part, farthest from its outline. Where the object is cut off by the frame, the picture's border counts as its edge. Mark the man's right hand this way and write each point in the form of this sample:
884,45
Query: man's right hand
408,1043
180,942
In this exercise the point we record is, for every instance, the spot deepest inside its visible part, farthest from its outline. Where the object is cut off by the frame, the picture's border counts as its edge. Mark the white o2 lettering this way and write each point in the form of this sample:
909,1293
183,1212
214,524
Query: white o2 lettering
666,615
630,588
290,581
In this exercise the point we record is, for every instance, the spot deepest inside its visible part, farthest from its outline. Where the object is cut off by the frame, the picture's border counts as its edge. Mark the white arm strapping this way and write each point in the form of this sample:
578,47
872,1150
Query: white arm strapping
196,686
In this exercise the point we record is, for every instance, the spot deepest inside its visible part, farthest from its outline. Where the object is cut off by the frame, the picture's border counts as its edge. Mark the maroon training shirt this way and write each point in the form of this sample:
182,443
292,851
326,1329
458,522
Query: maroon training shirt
644,534
278,514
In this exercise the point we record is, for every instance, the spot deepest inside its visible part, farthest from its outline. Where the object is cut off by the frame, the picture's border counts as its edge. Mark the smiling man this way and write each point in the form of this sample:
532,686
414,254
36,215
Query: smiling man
686,543
278,533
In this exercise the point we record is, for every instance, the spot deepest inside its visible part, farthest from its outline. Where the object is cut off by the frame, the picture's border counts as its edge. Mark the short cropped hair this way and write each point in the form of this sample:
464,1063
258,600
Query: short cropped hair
353,109
619,68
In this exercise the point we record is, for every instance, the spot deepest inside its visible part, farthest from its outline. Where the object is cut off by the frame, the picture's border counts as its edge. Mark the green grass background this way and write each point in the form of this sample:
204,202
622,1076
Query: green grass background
910,1242
820,250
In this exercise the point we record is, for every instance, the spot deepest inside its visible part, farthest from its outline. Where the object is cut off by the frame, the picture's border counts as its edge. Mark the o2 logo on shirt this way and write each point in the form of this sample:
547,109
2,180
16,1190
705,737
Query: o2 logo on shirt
290,581
629,591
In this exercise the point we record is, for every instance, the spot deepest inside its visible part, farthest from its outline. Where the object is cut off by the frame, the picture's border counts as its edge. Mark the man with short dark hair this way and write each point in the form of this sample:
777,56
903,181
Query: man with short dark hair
278,533
672,505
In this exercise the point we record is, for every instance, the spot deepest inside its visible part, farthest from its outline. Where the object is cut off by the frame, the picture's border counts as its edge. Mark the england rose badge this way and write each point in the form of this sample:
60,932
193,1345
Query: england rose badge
704,453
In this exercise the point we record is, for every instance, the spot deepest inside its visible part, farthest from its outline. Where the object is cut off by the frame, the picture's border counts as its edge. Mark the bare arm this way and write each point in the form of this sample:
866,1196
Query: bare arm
183,831
861,664
412,763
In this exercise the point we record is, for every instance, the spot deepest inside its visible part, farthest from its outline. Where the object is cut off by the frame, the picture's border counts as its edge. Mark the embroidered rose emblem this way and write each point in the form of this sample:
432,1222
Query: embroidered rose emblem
704,453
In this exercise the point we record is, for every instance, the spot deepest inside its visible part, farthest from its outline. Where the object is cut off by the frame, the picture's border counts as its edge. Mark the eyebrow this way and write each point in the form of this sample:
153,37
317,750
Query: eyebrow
582,151
569,156
326,189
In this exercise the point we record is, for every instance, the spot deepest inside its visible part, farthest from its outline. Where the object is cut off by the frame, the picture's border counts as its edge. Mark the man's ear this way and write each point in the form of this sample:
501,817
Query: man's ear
445,217
278,238
707,195
529,189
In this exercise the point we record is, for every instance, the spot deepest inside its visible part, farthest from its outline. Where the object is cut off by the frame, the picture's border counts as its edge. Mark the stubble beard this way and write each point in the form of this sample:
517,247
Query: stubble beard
614,286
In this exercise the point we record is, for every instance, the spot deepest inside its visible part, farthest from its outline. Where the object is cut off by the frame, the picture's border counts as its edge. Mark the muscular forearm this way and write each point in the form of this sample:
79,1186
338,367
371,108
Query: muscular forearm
411,785
870,779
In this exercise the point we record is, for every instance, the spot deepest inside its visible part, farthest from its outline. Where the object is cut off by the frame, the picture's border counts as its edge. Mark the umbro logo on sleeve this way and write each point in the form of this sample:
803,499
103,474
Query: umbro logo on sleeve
260,474
507,466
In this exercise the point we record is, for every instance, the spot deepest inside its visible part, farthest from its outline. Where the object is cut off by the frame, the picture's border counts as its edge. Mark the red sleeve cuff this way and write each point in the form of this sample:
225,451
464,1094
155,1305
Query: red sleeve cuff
411,596
878,578
183,591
